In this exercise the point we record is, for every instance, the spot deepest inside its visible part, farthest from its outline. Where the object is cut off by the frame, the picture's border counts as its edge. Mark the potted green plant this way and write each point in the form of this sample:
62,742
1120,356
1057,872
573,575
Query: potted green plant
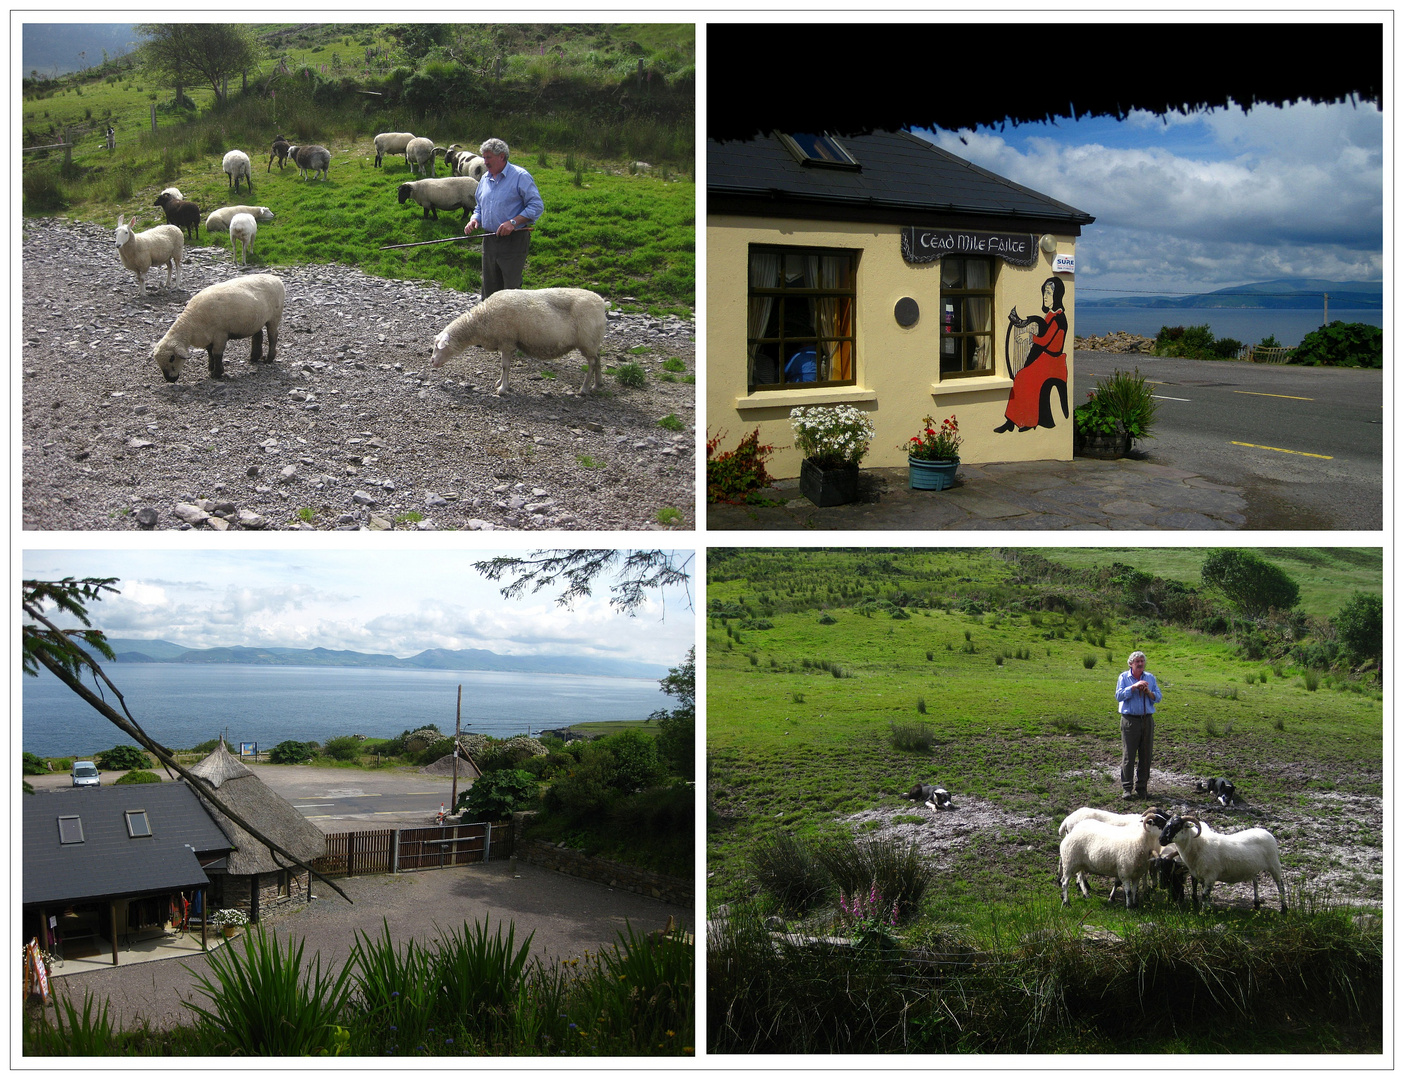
833,440
933,455
1118,412
227,920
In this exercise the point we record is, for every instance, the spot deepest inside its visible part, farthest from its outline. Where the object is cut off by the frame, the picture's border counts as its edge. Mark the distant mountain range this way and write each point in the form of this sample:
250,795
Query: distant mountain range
1282,293
53,49
140,651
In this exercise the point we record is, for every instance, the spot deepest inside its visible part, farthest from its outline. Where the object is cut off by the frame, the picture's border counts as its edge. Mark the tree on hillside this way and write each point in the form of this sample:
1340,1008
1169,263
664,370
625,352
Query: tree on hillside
1250,581
636,573
180,53
1360,627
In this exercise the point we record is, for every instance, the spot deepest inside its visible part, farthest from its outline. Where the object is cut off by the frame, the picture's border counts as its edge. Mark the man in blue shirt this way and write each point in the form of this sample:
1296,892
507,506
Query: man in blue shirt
508,204
1136,697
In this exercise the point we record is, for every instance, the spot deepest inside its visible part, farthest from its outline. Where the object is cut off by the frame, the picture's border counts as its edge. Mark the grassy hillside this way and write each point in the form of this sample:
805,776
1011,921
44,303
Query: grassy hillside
569,99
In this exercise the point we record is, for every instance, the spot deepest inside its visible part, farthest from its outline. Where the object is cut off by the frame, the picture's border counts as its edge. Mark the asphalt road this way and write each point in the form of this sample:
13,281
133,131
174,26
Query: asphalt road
1306,445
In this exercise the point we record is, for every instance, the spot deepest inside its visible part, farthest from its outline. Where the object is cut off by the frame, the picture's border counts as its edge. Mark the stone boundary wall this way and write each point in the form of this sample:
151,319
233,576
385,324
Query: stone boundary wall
672,890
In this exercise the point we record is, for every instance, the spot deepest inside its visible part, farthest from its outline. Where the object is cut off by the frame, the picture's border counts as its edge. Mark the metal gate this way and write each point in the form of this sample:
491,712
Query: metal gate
449,845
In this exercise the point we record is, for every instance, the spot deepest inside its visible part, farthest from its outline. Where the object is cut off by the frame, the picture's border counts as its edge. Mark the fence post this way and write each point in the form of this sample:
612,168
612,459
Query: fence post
153,118
395,852
487,841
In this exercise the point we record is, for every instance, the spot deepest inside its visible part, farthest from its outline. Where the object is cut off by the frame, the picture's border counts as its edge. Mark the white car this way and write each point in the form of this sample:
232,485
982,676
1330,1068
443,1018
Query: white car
85,774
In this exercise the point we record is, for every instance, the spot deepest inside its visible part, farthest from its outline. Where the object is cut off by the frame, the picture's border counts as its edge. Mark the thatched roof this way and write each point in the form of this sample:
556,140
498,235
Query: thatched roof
261,807
955,75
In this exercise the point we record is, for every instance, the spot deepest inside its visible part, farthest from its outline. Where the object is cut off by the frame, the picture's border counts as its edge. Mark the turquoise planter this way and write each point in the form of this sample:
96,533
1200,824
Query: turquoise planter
931,475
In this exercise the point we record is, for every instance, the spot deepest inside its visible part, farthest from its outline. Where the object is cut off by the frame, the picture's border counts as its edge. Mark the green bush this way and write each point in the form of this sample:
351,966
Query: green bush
291,752
736,475
636,764
495,795
138,776
913,735
1196,342
586,790
1250,581
1342,345
120,758
896,869
432,753
1360,627
1121,402
31,765
630,375
342,748
790,871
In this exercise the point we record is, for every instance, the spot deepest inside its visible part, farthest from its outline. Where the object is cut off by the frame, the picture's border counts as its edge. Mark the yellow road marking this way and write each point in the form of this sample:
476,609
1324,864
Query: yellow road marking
1303,453
1289,397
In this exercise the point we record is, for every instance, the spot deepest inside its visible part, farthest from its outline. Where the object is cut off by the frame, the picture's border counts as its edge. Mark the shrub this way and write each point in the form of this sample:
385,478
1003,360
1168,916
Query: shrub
1250,581
342,748
735,475
586,790
31,765
291,752
1089,662
495,795
896,869
790,871
636,763
122,757
630,375
1196,342
913,734
1342,345
138,776
1360,626
1121,402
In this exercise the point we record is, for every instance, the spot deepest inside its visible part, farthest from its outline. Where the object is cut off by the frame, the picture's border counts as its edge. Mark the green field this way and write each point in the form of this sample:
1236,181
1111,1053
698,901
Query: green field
814,655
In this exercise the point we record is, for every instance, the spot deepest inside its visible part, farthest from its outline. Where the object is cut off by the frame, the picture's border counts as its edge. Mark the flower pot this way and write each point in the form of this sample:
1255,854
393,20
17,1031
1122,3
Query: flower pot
828,487
931,475
1114,445
227,931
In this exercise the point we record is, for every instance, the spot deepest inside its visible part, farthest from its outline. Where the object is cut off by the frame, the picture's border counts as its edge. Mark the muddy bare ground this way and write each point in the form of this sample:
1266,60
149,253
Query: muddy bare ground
1334,850
349,428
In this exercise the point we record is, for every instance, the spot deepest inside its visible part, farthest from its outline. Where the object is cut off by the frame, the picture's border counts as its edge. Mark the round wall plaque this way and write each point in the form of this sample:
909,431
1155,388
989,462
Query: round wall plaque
906,312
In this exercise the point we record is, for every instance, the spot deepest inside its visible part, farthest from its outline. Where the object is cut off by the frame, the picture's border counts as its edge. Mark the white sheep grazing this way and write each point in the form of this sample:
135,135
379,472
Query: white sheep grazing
441,193
543,323
1121,852
236,164
1228,857
240,308
140,251
419,152
219,220
391,142
242,231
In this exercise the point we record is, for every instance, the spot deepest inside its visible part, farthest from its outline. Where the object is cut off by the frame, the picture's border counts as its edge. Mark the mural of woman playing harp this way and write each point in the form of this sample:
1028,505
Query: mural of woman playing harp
1040,341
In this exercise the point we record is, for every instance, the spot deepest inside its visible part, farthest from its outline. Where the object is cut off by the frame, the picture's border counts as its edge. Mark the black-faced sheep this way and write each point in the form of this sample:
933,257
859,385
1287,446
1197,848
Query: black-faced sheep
219,220
140,251
543,323
280,151
1121,852
242,231
441,193
181,213
314,159
391,142
419,152
236,164
241,308
1228,857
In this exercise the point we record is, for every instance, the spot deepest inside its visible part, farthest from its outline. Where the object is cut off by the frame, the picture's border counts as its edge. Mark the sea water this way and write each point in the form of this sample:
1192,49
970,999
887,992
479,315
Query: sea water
182,705
1248,325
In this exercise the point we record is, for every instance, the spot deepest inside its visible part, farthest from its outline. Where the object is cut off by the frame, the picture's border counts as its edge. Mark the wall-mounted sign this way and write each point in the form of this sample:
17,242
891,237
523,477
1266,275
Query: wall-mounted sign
921,245
1064,264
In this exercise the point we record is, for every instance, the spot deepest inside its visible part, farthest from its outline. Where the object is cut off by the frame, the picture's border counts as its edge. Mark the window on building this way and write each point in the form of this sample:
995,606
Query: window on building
137,823
70,829
967,316
799,324
821,149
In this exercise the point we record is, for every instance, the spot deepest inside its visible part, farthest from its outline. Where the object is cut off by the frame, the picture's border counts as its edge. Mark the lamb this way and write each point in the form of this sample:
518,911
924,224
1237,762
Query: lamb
242,230
316,159
219,220
240,308
1116,851
180,212
1228,857
281,146
391,142
1219,787
543,323
441,193
420,152
930,795
140,251
236,164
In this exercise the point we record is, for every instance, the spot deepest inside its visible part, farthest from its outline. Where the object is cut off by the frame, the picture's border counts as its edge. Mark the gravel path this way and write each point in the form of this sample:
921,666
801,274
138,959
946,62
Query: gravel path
348,429
567,915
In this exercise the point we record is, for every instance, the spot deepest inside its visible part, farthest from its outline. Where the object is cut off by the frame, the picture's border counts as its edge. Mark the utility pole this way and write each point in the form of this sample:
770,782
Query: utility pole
1325,309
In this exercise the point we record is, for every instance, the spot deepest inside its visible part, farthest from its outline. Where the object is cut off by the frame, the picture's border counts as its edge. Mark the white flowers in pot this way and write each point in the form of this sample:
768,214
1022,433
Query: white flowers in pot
229,917
831,436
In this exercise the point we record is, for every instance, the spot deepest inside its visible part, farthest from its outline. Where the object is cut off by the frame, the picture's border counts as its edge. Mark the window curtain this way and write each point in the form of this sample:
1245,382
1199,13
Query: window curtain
765,273
981,311
832,315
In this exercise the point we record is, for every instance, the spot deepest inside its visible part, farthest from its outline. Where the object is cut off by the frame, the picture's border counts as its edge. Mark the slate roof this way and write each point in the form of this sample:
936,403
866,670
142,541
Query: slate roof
900,178
109,863
262,807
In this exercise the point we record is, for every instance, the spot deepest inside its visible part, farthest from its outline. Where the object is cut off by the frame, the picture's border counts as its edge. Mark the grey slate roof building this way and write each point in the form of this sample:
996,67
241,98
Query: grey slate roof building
899,178
101,860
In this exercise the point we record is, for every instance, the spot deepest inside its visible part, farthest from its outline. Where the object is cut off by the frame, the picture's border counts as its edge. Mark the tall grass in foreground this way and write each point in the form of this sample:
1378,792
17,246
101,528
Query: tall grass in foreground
1034,982
468,992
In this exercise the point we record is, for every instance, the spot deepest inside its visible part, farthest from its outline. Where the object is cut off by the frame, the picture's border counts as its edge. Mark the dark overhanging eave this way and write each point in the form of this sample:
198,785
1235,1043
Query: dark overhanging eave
776,195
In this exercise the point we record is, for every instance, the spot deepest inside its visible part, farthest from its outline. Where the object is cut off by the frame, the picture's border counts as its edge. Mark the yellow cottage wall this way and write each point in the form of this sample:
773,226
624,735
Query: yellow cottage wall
897,368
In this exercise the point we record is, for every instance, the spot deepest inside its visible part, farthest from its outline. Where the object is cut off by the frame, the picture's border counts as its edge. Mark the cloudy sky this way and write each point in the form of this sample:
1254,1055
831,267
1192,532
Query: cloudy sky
393,602
1201,202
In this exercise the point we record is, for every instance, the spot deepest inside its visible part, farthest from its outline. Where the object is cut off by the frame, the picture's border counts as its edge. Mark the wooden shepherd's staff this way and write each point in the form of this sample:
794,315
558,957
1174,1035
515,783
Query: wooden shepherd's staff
444,240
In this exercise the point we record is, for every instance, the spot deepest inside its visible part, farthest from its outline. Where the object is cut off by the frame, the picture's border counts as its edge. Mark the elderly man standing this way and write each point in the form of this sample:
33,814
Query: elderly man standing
508,204
1136,697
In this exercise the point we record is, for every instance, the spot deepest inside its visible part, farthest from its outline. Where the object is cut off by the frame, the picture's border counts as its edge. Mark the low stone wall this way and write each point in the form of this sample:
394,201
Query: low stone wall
672,890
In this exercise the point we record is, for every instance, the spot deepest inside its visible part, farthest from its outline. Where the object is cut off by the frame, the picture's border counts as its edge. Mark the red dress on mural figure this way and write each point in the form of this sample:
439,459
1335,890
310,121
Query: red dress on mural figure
1045,368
